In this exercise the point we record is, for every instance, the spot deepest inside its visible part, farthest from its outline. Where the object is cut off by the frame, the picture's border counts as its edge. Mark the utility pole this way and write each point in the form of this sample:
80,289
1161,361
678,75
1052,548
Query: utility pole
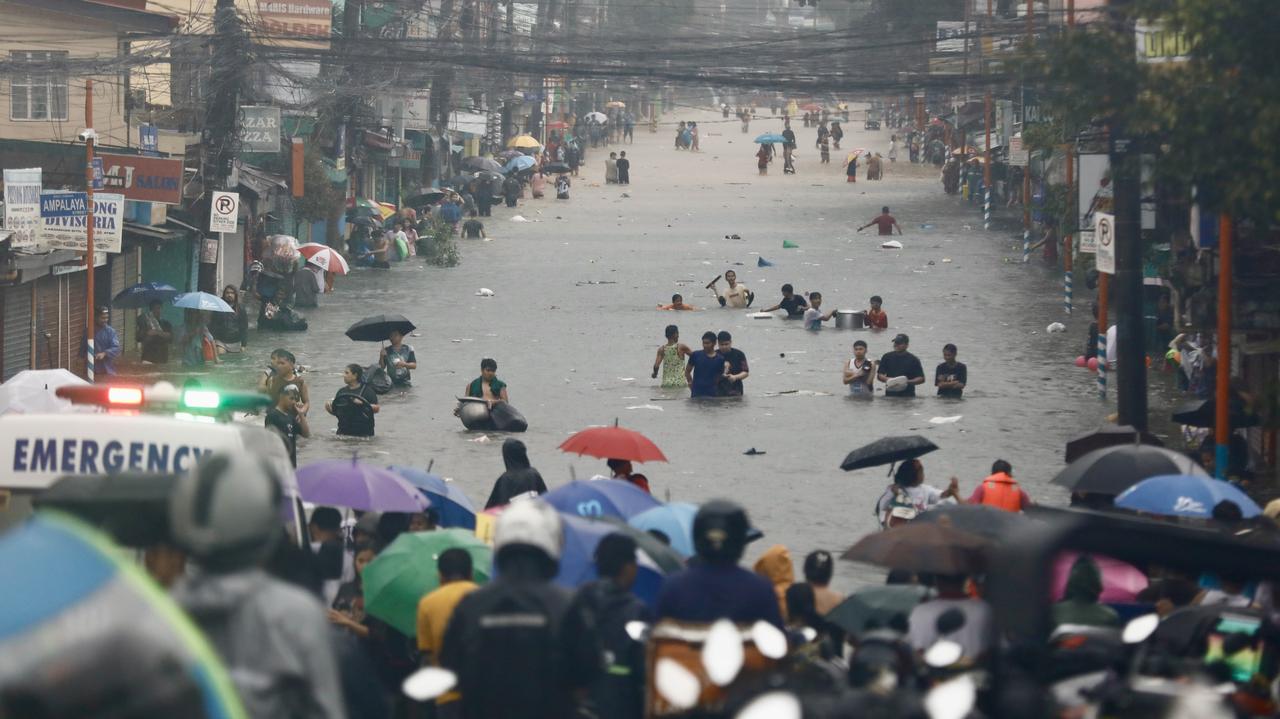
89,136
1131,366
222,115
1222,389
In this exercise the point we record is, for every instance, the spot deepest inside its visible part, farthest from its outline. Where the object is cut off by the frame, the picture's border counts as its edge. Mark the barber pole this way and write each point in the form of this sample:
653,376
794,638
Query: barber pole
1066,292
1102,362
986,210
1026,245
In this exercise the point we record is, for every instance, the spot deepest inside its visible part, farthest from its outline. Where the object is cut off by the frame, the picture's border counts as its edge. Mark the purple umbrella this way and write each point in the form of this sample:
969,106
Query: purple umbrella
348,483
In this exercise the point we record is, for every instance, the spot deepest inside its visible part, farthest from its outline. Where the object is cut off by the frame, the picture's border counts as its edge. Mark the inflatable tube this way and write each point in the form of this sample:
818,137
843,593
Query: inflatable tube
402,249
475,415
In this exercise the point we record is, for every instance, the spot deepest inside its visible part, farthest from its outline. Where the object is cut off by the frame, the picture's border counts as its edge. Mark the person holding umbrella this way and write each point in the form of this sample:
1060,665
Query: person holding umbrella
154,334
909,496
198,346
397,359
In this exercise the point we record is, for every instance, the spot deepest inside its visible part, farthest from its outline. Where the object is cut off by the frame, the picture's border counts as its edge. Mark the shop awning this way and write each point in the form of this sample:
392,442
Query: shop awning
171,231
260,182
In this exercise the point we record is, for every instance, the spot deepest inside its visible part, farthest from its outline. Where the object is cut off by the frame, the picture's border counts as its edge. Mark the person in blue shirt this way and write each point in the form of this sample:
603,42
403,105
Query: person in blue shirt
106,345
705,368
714,586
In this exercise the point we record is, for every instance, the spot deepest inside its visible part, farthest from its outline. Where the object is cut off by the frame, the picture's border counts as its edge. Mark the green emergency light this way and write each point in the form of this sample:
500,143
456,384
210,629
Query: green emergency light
212,399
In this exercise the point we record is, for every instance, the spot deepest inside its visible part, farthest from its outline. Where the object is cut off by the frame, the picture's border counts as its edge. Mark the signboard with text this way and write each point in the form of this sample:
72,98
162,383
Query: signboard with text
260,128
64,221
224,209
143,179
1105,231
1018,155
296,23
951,36
22,206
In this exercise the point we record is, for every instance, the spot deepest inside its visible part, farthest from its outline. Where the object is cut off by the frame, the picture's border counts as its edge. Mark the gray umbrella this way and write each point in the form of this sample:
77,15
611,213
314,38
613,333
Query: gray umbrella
1112,470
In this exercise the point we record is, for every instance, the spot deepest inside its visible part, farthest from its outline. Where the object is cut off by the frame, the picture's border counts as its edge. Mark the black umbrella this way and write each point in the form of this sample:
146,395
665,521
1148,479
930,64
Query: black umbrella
887,450
922,547
133,507
876,606
555,167
1202,413
364,221
490,176
979,519
1112,470
378,328
425,197
477,164
1109,436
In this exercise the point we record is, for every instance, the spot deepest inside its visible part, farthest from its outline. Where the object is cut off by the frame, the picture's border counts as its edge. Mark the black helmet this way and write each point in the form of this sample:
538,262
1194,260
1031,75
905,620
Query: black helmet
720,531
225,512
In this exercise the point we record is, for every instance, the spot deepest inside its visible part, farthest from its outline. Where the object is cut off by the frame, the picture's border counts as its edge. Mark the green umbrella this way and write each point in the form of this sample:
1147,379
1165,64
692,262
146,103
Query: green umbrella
879,604
404,572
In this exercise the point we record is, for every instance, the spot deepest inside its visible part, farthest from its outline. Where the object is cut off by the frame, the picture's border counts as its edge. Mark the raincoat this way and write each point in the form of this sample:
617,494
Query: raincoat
520,478
274,638
775,565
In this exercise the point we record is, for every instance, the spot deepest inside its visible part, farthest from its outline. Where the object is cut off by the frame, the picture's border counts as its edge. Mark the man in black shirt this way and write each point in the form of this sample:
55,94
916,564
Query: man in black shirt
473,229
951,376
285,419
736,368
794,304
624,169
903,368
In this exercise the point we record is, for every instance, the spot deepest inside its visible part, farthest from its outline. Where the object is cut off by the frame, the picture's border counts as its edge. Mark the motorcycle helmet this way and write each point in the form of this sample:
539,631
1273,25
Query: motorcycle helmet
720,531
530,523
226,511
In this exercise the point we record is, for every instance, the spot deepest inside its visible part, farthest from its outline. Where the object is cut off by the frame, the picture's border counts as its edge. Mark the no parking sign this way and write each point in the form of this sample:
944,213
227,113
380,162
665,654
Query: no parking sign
1105,233
224,209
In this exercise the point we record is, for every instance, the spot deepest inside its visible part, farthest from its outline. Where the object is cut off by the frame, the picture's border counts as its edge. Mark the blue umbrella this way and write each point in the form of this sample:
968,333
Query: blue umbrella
1182,495
516,164
674,520
577,563
201,301
452,503
142,294
61,630
770,138
601,497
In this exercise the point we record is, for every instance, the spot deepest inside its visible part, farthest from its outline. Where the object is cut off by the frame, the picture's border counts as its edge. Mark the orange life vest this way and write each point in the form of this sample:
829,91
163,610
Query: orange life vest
1000,491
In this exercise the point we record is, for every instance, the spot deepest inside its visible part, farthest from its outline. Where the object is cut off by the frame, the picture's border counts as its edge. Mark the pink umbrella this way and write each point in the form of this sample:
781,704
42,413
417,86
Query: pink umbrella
1121,581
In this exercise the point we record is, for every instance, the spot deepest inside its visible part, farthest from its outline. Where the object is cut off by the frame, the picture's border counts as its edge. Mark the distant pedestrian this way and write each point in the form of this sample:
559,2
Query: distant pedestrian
473,229
628,128
287,421
511,190
877,318
884,222
837,134
950,376
106,345
824,150
519,479
813,317
678,304
893,148
354,405
860,372
1000,490
762,159
670,359
702,373
851,168
562,187
680,136
900,371
693,136
624,169
611,169
154,334
736,369
397,358
794,304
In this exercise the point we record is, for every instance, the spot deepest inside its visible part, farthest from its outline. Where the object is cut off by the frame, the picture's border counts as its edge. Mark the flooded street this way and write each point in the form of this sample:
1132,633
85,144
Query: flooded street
573,328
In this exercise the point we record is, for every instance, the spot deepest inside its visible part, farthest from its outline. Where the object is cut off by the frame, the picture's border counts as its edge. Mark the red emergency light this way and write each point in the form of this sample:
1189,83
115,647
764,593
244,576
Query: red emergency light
103,395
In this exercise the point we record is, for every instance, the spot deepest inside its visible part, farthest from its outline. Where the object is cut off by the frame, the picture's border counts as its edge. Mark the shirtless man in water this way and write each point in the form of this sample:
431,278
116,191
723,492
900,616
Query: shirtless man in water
736,295
678,304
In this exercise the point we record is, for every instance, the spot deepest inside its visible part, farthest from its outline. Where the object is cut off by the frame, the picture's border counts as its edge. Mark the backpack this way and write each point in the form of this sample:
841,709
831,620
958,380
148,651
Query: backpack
377,378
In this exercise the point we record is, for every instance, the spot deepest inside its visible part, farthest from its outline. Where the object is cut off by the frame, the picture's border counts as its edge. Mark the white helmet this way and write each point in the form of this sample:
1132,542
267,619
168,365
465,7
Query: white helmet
226,511
530,522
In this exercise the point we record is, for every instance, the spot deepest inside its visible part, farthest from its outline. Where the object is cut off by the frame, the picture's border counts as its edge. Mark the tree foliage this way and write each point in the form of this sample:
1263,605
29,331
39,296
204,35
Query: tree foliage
1214,116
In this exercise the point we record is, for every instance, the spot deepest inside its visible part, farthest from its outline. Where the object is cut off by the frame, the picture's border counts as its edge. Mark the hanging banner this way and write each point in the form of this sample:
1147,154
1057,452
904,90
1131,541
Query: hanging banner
22,206
64,219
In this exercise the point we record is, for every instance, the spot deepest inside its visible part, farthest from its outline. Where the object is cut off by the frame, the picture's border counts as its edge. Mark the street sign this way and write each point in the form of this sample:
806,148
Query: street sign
1105,229
148,137
64,221
1018,156
260,128
223,211
22,206
1088,242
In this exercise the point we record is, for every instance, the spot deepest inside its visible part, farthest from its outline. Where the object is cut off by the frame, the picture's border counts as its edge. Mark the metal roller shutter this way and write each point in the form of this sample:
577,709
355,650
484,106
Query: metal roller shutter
17,330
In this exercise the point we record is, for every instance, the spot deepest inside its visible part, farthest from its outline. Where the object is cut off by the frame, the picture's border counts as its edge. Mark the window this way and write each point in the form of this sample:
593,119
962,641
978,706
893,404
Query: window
38,92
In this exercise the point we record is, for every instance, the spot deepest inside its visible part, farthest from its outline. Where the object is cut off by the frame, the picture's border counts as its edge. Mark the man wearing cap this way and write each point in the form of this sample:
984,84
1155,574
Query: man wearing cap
900,371
106,345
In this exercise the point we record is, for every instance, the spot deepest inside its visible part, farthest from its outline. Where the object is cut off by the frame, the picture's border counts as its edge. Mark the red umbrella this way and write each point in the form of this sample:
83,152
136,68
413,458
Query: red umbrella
557,125
613,443
811,107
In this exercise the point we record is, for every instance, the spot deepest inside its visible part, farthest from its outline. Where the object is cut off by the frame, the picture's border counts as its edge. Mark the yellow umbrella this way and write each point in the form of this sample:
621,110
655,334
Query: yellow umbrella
615,103
523,141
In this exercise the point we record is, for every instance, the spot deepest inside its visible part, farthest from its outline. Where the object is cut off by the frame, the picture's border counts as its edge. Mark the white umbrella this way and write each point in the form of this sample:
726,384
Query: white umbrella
597,116
33,391
329,261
